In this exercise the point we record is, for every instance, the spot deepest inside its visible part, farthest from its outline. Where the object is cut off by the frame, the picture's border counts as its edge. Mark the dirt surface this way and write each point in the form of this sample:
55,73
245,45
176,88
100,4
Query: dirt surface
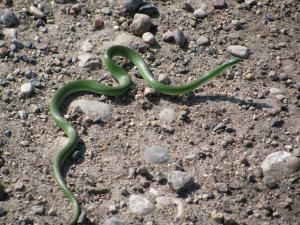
229,185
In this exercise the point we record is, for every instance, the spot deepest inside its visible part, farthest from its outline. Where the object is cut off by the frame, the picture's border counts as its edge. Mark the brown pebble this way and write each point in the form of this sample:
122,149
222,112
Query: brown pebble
97,23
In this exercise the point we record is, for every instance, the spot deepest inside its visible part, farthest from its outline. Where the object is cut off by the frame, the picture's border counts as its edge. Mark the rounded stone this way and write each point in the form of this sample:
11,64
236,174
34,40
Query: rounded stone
140,205
131,5
179,37
167,115
148,38
141,24
156,154
239,51
27,89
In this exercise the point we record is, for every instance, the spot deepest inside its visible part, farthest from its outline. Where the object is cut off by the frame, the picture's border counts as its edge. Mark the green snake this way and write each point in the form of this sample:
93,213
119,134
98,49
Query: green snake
124,81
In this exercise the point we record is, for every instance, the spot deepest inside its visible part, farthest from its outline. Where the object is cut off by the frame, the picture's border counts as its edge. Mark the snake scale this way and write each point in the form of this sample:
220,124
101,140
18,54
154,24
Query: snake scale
121,76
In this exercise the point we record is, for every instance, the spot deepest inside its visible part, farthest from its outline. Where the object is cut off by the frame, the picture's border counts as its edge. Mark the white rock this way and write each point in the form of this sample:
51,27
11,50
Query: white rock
87,46
167,115
276,91
38,14
140,205
200,13
27,89
148,38
280,163
89,61
239,51
93,107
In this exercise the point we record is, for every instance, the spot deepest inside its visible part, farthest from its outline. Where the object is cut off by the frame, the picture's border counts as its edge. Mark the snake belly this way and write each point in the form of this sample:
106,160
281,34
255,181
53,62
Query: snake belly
121,76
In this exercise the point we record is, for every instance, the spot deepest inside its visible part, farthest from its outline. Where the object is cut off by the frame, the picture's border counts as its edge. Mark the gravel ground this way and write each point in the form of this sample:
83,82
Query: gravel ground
229,153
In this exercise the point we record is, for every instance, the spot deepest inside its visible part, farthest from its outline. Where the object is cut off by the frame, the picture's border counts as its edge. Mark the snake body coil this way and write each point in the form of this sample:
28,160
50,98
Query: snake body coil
124,84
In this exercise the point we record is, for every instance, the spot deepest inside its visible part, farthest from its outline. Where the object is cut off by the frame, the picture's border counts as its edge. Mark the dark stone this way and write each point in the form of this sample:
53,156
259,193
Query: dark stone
150,10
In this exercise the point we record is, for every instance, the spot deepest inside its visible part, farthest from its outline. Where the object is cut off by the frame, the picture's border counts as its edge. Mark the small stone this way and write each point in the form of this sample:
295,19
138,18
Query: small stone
82,218
163,78
131,5
89,61
38,210
98,23
200,13
203,40
275,91
140,205
141,24
87,46
168,36
38,14
277,123
19,186
114,221
156,154
148,91
8,18
52,212
24,143
270,182
100,109
4,52
27,89
280,163
230,220
179,37
2,211
219,4
149,9
239,51
180,181
222,187
148,38
217,216
167,115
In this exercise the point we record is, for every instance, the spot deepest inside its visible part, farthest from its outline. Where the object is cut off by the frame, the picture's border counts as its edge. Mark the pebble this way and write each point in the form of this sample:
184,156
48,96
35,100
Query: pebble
8,18
148,91
217,216
38,14
167,115
179,37
270,182
87,46
141,24
19,186
82,218
114,221
180,181
149,9
4,52
168,36
200,13
222,187
89,61
27,89
156,154
276,91
219,4
2,211
100,109
203,40
24,143
140,205
280,163
239,51
131,5
38,210
149,38
98,23
163,78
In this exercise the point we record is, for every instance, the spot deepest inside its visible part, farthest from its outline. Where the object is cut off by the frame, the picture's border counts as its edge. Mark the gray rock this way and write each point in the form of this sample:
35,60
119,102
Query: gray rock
89,61
131,5
280,163
156,154
219,4
179,37
114,221
239,51
180,181
168,36
4,52
93,107
8,18
163,78
200,13
203,40
270,182
167,115
27,89
62,1
82,218
38,210
222,187
38,14
140,205
23,114
141,24
217,216
2,211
